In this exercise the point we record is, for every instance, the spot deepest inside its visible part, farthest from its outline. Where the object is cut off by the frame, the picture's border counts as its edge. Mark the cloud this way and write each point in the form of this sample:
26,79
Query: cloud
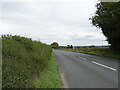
63,22
58,1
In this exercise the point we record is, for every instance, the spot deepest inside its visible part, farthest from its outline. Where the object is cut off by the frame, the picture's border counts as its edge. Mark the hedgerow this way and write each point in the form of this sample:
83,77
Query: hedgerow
22,61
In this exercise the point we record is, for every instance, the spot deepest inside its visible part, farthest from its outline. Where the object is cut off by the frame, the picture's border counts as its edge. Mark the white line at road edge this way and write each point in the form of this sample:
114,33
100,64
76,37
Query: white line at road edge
104,66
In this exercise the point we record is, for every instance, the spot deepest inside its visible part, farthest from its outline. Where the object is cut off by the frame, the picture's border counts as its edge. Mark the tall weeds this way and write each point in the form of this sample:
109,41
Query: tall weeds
23,60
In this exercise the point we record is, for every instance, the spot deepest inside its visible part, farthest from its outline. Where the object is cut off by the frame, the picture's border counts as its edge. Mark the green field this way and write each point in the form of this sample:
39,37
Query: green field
100,51
24,61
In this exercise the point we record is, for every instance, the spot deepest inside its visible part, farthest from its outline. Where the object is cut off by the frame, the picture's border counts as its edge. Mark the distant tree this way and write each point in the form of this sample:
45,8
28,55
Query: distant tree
92,46
69,46
107,17
55,45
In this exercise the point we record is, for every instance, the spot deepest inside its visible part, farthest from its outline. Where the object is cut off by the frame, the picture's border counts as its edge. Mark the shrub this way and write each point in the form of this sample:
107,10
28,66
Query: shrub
23,60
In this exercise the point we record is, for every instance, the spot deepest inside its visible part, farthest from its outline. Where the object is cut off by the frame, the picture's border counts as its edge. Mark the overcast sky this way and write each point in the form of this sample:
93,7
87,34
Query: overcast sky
65,22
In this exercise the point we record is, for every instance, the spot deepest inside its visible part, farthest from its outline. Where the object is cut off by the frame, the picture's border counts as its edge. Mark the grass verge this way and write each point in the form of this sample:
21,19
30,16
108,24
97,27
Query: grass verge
94,53
50,77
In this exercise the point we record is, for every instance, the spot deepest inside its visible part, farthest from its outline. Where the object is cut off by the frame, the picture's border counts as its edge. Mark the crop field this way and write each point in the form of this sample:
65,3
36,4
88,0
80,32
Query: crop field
23,60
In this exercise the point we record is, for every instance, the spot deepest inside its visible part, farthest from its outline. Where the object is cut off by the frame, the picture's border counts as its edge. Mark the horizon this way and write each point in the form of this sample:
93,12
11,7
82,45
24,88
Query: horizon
48,22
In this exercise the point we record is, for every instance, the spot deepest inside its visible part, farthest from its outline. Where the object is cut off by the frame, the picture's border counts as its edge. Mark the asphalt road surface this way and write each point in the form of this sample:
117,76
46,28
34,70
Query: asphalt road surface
80,70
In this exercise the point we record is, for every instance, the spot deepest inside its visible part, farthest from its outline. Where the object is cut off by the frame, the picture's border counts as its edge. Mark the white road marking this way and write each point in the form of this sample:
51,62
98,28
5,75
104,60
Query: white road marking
83,58
70,53
104,66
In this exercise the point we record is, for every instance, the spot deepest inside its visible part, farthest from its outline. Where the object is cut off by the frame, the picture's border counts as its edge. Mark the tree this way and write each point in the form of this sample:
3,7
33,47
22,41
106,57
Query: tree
55,45
107,17
69,46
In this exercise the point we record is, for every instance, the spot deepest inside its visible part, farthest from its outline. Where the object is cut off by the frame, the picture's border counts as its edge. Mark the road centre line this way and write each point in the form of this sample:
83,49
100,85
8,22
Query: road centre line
99,64
104,66
83,58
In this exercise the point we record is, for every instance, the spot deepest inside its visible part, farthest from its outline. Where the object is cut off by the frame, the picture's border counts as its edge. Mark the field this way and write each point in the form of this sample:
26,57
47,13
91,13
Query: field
100,51
23,60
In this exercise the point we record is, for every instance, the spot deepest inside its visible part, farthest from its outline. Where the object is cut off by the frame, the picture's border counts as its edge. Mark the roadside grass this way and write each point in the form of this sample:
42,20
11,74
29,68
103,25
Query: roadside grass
99,51
50,77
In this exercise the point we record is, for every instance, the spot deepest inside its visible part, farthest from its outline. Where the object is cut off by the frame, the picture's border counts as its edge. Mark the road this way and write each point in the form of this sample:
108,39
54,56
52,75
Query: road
80,70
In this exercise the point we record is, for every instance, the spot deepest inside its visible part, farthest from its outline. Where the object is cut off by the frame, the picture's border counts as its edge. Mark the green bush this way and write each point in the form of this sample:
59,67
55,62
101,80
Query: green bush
23,59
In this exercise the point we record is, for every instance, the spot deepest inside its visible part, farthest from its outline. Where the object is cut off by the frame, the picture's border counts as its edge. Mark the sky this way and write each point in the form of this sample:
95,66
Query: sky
62,21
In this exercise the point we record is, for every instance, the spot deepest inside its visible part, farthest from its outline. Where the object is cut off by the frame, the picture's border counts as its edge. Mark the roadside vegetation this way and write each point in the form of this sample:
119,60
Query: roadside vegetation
24,61
100,51
50,77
